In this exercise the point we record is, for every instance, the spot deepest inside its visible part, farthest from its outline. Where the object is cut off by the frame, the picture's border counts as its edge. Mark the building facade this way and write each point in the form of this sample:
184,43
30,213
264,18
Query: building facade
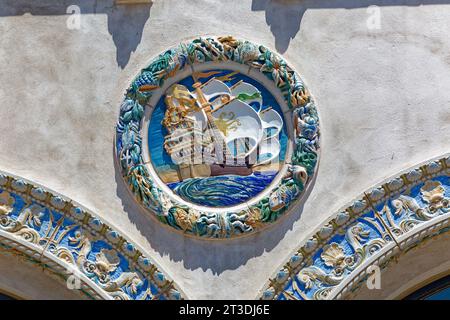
348,199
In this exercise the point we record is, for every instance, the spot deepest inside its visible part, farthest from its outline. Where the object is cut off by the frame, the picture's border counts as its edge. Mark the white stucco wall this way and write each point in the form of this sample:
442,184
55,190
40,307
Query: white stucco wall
21,279
383,98
428,262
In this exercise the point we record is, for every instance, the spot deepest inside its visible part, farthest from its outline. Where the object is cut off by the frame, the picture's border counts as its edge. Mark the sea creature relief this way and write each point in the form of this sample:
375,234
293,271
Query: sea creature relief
375,229
63,238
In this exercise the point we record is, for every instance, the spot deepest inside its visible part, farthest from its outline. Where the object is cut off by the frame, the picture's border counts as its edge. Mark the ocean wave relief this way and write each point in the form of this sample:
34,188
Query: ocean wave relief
222,191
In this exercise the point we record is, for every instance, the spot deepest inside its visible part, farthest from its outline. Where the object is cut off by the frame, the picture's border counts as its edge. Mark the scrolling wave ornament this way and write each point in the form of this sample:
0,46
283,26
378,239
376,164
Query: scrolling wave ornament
382,224
67,240
168,202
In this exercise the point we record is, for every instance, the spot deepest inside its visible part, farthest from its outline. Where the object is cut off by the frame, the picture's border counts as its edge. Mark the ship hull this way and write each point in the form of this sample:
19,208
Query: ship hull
213,170
218,170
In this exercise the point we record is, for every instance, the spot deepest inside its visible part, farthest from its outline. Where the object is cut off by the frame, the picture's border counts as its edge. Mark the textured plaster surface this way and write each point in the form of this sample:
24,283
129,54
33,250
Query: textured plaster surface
383,98
419,267
23,280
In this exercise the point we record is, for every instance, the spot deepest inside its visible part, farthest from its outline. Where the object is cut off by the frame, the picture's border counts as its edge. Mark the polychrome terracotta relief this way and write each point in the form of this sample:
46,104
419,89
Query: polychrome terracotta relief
374,230
68,241
218,137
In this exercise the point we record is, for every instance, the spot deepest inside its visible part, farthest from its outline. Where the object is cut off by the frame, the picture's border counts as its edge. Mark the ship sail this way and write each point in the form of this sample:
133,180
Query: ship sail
214,88
237,122
247,93
272,123
240,132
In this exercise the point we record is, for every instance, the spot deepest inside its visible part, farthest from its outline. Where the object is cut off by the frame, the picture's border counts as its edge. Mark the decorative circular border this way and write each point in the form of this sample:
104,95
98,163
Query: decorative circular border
300,167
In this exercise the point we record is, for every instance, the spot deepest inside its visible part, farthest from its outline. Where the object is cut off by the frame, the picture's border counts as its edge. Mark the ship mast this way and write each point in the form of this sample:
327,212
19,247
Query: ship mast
220,145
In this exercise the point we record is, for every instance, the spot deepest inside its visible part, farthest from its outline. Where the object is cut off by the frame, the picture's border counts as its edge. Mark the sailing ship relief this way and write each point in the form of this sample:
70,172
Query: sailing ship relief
223,141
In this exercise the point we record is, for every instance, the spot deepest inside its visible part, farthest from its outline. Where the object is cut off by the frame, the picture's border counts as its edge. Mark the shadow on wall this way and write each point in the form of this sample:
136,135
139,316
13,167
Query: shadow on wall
284,16
125,22
215,255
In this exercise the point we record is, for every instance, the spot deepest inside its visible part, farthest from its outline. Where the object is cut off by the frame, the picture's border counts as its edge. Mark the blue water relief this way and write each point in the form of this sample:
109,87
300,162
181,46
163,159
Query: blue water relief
222,191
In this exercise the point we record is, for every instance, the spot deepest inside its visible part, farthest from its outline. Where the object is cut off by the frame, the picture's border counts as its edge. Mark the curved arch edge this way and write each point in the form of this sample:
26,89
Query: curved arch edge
69,241
31,253
381,224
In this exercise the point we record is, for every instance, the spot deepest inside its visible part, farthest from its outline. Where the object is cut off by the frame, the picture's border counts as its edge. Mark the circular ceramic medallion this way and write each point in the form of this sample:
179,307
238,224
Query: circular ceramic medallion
217,137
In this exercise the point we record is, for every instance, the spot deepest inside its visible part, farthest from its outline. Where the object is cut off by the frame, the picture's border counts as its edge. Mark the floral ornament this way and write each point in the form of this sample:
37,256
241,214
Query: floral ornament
254,218
433,194
334,256
107,261
6,203
183,218
228,223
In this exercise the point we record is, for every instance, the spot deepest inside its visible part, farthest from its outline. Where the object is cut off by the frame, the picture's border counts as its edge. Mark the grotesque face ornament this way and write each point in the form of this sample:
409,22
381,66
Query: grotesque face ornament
217,137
